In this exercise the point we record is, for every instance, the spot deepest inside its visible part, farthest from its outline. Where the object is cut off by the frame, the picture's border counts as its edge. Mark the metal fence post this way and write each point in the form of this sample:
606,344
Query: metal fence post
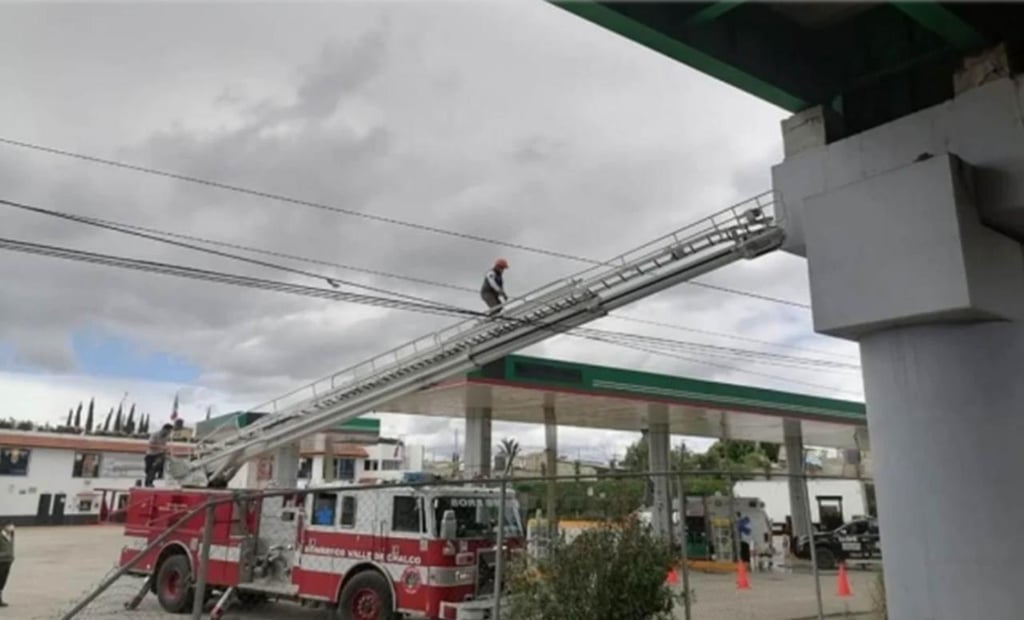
106,583
687,613
199,598
813,549
499,556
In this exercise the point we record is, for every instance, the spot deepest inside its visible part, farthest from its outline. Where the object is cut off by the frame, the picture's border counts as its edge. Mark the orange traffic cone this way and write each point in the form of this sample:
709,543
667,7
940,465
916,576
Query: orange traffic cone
673,577
842,582
742,582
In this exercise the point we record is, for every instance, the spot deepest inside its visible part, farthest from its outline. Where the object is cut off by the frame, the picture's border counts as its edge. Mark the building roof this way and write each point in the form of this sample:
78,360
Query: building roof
63,441
518,388
870,62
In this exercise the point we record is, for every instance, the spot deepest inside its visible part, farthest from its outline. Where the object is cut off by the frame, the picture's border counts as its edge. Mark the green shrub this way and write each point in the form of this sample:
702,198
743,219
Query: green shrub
615,572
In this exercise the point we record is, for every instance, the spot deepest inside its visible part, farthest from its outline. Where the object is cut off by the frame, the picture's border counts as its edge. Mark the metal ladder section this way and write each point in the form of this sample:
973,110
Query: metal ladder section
745,230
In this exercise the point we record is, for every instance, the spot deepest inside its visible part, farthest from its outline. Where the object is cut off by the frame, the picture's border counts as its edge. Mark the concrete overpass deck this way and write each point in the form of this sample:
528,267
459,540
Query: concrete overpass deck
519,389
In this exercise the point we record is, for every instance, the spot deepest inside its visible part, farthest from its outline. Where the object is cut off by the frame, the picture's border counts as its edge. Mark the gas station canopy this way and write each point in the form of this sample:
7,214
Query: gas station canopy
518,388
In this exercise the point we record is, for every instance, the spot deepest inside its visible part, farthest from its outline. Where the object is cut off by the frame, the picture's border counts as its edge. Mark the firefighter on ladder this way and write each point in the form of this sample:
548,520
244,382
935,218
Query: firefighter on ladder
493,289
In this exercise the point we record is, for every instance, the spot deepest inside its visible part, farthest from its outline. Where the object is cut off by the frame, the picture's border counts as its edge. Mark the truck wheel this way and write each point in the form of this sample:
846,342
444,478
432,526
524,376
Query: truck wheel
174,585
826,559
367,596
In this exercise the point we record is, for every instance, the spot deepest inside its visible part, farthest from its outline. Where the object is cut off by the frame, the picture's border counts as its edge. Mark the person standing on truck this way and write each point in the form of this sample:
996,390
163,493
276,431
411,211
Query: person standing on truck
493,289
156,451
6,557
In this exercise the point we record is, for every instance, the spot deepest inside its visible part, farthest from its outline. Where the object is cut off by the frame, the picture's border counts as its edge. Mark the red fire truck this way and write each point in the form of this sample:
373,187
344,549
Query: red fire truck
426,551
369,553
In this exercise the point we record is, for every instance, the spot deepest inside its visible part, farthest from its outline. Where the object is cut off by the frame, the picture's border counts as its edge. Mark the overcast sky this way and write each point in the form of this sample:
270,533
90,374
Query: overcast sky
511,120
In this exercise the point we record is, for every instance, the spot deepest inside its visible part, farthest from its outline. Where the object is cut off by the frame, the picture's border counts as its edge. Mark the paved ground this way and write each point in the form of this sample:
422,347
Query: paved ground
55,566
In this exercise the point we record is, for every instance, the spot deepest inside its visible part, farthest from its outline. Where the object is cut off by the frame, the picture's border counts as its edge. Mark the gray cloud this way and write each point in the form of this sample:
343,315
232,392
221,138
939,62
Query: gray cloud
546,132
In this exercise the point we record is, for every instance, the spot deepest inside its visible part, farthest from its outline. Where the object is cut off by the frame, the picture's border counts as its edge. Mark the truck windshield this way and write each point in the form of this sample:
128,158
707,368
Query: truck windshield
477,517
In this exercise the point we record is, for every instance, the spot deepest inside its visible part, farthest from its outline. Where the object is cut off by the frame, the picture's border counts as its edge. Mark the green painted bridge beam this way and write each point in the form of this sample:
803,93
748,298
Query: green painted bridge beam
712,12
943,22
687,54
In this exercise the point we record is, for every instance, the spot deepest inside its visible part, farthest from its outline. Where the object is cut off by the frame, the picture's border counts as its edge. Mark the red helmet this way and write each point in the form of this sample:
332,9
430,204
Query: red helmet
501,263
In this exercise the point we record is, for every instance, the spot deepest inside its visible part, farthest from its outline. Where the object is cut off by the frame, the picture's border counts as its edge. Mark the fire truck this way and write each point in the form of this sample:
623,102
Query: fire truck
425,551
416,550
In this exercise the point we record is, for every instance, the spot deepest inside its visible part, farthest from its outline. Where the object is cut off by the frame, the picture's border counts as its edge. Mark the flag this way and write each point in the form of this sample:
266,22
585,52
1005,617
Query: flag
174,410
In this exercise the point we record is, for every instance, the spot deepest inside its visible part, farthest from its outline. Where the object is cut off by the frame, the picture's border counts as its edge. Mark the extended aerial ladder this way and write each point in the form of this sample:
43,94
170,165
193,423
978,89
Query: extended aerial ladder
743,231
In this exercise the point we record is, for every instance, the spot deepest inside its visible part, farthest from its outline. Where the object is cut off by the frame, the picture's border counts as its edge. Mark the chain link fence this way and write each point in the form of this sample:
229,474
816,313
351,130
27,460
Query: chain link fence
346,550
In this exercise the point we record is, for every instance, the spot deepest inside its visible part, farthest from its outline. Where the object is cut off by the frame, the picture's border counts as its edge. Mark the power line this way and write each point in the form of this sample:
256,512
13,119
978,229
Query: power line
331,294
226,278
708,349
353,213
724,366
156,234
113,226
633,319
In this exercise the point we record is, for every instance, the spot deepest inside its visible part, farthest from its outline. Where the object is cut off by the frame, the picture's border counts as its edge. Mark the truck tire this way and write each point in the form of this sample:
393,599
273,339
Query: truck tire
367,596
174,585
826,558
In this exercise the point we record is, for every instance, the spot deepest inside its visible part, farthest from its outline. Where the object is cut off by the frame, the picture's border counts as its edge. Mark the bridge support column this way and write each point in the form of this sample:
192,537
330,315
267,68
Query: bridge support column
286,467
794,443
478,442
913,251
551,466
659,450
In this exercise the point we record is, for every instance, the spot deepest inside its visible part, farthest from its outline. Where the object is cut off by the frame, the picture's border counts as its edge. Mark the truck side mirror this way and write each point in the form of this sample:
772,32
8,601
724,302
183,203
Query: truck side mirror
449,529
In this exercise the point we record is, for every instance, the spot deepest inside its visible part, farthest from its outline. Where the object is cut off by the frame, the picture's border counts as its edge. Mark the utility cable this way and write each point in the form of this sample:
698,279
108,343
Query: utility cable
150,232
332,294
360,214
708,350
112,226
723,366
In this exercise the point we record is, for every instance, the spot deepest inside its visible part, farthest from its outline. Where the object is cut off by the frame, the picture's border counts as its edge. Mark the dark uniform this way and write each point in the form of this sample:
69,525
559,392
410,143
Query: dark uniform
493,290
6,558
155,453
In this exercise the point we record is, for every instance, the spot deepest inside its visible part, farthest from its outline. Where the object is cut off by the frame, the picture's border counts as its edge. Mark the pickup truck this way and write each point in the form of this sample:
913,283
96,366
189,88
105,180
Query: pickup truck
856,541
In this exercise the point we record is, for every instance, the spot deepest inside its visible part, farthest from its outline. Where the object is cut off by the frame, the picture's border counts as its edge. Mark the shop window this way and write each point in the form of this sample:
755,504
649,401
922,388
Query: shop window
305,469
14,461
86,465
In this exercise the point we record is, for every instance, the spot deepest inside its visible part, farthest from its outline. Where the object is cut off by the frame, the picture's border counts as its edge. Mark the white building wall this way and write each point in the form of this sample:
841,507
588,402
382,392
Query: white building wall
50,471
775,495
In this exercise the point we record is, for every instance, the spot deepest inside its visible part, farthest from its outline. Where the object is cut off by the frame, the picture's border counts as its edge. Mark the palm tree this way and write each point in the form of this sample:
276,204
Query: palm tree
508,449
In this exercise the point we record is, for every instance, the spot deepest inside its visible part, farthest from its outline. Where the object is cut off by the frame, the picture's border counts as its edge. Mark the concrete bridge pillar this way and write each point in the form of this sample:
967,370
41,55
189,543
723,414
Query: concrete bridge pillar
912,234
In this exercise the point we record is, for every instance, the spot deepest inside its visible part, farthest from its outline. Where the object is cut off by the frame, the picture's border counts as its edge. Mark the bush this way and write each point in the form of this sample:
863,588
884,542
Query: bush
610,573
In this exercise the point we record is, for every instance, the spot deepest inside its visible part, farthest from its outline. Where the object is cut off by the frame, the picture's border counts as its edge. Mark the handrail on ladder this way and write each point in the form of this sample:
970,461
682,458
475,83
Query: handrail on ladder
729,224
